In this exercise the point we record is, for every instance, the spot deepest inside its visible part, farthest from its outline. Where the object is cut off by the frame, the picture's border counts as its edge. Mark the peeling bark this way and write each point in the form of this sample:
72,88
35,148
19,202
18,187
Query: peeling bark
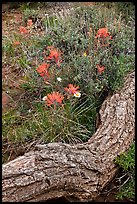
77,172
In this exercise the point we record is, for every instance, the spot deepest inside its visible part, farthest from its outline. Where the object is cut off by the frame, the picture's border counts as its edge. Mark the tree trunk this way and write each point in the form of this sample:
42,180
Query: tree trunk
77,172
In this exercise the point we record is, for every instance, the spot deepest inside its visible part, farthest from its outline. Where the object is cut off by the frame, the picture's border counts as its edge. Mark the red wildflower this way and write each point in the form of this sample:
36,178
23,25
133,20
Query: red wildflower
54,99
103,32
43,70
29,22
16,43
100,68
72,89
23,30
54,55
45,75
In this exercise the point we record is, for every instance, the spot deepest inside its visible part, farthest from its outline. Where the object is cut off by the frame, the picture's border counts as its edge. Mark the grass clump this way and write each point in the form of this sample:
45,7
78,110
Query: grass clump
126,162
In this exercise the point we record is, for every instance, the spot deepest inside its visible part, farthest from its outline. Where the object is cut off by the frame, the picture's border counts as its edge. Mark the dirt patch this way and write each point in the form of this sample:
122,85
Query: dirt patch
5,101
87,3
11,88
10,78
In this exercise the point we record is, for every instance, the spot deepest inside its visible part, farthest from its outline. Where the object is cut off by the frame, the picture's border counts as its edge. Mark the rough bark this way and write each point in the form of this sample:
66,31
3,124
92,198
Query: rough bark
77,172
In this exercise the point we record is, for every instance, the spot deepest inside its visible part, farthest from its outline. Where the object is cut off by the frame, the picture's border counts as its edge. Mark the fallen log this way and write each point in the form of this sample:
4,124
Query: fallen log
76,172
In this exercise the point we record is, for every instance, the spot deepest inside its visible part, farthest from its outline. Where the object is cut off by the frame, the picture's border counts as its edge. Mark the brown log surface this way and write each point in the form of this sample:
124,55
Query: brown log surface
77,172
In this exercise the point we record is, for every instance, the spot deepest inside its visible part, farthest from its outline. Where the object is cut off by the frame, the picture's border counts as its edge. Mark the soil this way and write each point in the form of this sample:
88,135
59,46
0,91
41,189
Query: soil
8,17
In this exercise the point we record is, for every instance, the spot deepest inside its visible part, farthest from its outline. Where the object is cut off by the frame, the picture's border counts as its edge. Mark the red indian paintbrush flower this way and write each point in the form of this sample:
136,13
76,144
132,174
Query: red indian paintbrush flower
23,30
43,71
103,32
42,68
102,36
100,68
54,55
72,89
16,43
54,99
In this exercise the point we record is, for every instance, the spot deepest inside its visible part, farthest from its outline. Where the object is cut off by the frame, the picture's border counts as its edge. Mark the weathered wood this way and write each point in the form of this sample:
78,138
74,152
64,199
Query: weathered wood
77,172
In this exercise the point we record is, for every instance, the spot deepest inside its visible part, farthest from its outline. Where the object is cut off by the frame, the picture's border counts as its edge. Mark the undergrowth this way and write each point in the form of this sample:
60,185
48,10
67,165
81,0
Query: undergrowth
126,162
94,64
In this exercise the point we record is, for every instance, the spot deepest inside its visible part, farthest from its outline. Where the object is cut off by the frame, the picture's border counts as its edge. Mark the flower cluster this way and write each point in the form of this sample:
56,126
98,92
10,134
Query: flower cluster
73,90
103,33
100,68
43,71
103,36
54,54
56,98
24,30
16,43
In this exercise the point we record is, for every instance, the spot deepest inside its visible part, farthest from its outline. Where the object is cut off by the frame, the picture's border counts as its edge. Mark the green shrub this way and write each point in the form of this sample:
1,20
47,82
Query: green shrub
126,162
74,35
